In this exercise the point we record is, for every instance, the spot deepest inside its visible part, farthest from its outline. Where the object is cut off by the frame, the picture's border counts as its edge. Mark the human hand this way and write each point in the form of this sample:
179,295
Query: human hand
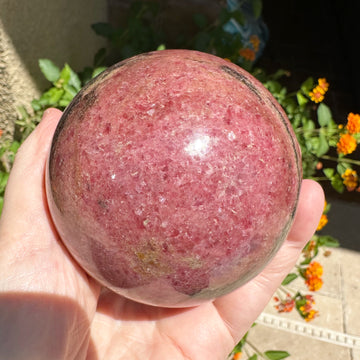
51,309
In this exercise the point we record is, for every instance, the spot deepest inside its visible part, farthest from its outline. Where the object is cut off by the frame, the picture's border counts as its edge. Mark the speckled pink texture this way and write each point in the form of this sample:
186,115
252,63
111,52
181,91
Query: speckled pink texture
173,178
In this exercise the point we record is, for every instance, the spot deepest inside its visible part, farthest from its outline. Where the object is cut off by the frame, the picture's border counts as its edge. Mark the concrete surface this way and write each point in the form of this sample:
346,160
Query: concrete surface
338,302
29,30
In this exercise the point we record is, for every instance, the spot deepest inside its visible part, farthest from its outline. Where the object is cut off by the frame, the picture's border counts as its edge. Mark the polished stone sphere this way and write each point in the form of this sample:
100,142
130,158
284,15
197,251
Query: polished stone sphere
173,177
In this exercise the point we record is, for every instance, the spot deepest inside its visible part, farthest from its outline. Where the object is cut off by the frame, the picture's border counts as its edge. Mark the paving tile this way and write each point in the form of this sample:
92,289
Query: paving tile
299,347
350,268
355,354
339,304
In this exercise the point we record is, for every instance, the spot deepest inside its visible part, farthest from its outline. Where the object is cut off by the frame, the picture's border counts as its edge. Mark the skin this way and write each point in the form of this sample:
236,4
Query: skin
51,309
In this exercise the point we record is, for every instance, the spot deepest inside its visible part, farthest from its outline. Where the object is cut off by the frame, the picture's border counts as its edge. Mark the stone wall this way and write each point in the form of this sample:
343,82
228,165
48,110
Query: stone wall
58,30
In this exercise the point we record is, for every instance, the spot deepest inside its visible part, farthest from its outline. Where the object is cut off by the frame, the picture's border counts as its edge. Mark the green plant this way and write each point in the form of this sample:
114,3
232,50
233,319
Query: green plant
144,32
8,150
322,139
141,33
65,84
244,346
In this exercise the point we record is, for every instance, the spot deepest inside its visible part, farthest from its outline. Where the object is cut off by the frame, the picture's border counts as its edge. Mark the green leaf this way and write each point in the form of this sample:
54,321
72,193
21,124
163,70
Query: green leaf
161,47
273,86
312,144
257,8
3,180
307,85
70,90
65,75
276,355
69,77
324,115
342,167
328,241
74,80
280,73
35,104
253,357
308,125
103,29
323,146
51,97
302,100
327,208
337,183
329,172
307,261
49,69
23,112
98,71
300,302
289,278
63,103
14,147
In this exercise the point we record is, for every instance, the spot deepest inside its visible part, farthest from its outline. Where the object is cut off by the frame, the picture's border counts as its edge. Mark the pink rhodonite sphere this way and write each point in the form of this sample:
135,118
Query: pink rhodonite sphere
173,177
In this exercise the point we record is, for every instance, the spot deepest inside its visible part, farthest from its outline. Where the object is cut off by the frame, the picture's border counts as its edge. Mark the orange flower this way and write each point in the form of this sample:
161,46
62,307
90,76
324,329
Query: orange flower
353,124
237,356
314,269
1,132
247,54
304,307
314,283
308,304
313,275
285,305
323,84
311,315
346,145
309,249
317,94
310,299
323,221
350,179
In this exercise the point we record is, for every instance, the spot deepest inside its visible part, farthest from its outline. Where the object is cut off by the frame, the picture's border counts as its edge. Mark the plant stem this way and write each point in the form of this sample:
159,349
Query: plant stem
287,290
255,349
344,160
320,178
301,130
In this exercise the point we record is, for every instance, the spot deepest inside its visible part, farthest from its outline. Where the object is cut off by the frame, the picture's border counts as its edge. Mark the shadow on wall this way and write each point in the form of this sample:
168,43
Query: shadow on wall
58,30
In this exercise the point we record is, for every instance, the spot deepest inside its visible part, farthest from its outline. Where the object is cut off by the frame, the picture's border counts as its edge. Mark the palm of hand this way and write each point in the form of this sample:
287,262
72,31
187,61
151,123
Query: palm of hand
53,310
